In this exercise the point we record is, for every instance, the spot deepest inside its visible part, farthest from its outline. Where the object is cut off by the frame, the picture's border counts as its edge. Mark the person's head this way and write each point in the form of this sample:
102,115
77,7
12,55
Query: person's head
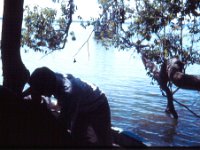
43,80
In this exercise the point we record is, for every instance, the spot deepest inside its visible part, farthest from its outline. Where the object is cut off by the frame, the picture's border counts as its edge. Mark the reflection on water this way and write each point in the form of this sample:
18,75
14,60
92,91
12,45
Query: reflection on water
136,105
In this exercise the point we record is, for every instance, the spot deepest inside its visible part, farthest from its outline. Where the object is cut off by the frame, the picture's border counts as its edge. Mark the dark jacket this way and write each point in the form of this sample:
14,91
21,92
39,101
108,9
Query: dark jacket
76,96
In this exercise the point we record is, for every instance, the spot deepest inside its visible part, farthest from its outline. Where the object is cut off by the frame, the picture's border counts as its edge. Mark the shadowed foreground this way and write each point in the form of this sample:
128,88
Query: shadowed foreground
25,124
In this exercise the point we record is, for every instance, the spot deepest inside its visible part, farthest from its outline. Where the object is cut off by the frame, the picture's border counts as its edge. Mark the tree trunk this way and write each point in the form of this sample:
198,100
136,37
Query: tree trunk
161,76
15,74
163,80
172,70
181,80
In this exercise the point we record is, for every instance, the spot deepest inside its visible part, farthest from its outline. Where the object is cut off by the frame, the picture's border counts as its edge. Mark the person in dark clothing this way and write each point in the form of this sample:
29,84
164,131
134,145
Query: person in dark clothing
84,107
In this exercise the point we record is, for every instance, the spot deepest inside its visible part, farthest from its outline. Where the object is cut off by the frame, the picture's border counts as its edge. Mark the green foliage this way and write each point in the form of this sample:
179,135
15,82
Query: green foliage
159,29
43,30
109,21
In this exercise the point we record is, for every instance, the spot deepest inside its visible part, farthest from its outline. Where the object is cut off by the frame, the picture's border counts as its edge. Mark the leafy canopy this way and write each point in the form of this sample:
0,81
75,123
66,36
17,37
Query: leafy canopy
46,30
155,28
158,29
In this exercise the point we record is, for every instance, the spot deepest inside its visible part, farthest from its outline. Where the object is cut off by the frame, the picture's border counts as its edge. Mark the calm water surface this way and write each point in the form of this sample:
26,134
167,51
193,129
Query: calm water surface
136,105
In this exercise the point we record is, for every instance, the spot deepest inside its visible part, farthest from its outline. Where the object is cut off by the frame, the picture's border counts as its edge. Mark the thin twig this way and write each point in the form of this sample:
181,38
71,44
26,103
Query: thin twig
181,103
101,15
88,50
187,108
71,9
83,44
175,90
48,54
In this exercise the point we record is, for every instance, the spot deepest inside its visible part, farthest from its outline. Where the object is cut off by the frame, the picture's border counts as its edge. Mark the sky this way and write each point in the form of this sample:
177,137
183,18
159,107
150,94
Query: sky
1,8
84,9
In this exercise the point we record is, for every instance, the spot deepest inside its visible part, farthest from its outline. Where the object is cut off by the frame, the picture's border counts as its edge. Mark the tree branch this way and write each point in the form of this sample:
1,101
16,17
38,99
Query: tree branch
71,9
187,109
83,44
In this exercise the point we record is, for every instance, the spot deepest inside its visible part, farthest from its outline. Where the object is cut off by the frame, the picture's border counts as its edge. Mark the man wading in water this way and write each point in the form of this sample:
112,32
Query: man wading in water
84,108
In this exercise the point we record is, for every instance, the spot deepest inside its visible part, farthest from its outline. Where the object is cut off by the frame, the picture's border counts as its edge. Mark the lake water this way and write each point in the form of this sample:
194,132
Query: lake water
136,105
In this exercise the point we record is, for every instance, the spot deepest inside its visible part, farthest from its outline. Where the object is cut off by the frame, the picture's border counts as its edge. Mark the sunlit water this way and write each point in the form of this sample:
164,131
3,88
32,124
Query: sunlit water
136,105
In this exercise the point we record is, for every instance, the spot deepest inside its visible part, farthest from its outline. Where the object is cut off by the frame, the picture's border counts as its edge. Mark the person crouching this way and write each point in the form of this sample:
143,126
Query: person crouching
84,107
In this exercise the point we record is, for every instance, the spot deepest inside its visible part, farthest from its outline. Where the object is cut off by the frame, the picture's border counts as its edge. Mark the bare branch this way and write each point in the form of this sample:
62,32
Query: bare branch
83,44
187,109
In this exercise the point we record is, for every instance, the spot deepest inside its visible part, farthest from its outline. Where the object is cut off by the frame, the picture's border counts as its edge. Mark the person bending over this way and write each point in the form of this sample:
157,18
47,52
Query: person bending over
84,107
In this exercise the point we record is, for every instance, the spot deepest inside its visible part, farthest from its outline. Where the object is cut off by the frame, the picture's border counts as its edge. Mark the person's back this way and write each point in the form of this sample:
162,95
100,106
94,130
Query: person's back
87,108
84,108
87,96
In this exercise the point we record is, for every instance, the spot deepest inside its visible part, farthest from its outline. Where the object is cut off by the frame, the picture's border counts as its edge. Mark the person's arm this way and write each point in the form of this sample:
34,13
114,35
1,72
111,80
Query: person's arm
65,119
36,96
27,92
66,111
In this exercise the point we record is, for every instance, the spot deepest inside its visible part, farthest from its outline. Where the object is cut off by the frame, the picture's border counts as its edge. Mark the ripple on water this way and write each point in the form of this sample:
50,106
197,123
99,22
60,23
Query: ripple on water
135,104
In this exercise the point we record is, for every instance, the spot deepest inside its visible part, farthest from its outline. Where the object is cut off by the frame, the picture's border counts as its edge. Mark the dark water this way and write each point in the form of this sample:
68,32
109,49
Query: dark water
136,105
